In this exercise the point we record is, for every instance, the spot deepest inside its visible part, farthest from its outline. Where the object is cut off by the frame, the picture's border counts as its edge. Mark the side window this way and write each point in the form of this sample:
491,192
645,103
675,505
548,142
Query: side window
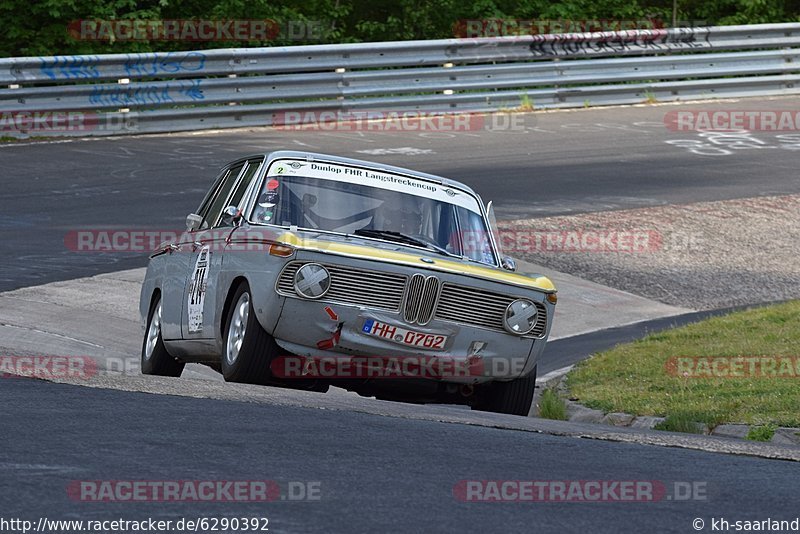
477,244
220,201
204,205
244,183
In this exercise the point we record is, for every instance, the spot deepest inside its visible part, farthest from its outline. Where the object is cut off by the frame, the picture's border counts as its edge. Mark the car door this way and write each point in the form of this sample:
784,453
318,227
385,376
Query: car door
202,290
176,266
202,253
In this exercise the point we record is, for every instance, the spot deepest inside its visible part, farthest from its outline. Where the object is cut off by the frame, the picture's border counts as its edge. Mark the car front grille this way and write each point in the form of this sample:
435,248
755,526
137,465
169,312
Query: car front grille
423,298
486,309
373,289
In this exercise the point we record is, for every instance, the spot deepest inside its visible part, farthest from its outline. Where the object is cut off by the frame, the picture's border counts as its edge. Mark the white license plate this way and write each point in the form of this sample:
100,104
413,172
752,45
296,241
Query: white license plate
403,336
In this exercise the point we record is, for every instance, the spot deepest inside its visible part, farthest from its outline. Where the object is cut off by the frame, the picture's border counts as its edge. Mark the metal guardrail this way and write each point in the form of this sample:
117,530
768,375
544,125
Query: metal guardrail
174,91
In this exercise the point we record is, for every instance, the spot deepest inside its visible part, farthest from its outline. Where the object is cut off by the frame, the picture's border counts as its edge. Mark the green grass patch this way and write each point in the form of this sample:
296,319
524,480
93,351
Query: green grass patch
680,422
642,377
691,422
761,433
551,406
650,97
526,104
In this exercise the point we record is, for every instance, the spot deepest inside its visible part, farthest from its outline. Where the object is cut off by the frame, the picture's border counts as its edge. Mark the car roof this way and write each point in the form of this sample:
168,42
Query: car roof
362,163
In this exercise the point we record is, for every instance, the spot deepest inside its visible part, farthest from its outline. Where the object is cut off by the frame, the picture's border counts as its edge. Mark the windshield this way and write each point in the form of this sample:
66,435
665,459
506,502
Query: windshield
337,199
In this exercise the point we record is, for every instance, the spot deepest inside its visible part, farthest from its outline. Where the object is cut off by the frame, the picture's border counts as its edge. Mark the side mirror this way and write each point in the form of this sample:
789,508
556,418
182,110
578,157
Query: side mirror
193,222
231,216
509,264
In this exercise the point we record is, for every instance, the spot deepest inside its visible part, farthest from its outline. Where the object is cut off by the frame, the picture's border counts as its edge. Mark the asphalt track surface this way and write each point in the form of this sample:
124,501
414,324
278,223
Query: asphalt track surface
377,473
374,474
547,164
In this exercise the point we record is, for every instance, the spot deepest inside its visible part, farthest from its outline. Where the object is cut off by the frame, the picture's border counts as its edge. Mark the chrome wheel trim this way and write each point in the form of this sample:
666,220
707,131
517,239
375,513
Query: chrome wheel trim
153,333
237,328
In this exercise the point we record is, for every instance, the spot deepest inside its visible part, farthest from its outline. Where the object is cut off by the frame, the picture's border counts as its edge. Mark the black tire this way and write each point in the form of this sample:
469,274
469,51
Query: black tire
514,397
155,358
250,363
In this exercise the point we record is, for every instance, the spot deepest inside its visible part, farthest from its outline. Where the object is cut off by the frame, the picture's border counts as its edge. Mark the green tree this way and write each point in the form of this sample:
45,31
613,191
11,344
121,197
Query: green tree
41,27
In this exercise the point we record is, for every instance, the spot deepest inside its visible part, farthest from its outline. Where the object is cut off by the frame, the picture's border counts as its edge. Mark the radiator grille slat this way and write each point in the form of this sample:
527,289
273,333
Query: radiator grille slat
477,307
421,297
361,287
413,298
430,298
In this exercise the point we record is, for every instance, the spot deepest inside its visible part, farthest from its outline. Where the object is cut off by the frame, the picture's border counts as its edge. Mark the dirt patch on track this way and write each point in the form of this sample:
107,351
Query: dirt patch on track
705,255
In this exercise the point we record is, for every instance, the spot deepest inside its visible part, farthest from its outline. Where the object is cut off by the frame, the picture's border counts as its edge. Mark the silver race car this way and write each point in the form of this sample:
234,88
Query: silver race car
304,270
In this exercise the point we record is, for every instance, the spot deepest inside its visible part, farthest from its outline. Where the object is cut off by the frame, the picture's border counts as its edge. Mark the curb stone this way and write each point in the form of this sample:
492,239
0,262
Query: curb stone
618,419
786,436
646,421
732,431
577,413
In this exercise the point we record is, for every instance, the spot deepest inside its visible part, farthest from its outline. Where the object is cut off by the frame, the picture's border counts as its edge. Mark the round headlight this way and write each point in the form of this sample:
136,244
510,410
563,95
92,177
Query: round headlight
520,317
312,281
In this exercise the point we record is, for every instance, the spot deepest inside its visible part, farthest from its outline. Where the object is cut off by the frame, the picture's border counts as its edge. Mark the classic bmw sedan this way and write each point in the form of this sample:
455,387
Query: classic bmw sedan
304,270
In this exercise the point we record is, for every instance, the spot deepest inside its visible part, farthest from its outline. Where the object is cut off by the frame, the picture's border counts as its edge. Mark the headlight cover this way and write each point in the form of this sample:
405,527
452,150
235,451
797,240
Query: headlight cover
312,281
520,317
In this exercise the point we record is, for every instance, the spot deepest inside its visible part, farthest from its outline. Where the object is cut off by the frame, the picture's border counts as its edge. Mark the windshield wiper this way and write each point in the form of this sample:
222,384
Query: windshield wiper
400,237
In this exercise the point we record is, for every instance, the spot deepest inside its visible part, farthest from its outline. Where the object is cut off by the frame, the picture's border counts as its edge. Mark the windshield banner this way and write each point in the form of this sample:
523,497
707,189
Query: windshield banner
372,178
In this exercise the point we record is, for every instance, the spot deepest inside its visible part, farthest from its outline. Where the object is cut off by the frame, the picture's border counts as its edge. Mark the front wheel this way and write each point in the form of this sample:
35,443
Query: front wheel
514,397
155,358
247,349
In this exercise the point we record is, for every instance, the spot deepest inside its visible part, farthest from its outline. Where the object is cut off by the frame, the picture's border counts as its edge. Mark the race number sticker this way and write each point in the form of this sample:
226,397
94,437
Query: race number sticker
197,291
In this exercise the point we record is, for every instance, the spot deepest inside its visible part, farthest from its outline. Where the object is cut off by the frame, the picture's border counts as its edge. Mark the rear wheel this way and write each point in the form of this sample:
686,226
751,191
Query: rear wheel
514,397
155,358
247,349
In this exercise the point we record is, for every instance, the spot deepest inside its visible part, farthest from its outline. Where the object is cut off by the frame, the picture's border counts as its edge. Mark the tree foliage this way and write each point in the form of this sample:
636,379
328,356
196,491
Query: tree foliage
41,27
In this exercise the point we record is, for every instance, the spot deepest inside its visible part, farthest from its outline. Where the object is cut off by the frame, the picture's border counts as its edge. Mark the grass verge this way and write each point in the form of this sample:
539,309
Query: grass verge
551,406
761,433
743,367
